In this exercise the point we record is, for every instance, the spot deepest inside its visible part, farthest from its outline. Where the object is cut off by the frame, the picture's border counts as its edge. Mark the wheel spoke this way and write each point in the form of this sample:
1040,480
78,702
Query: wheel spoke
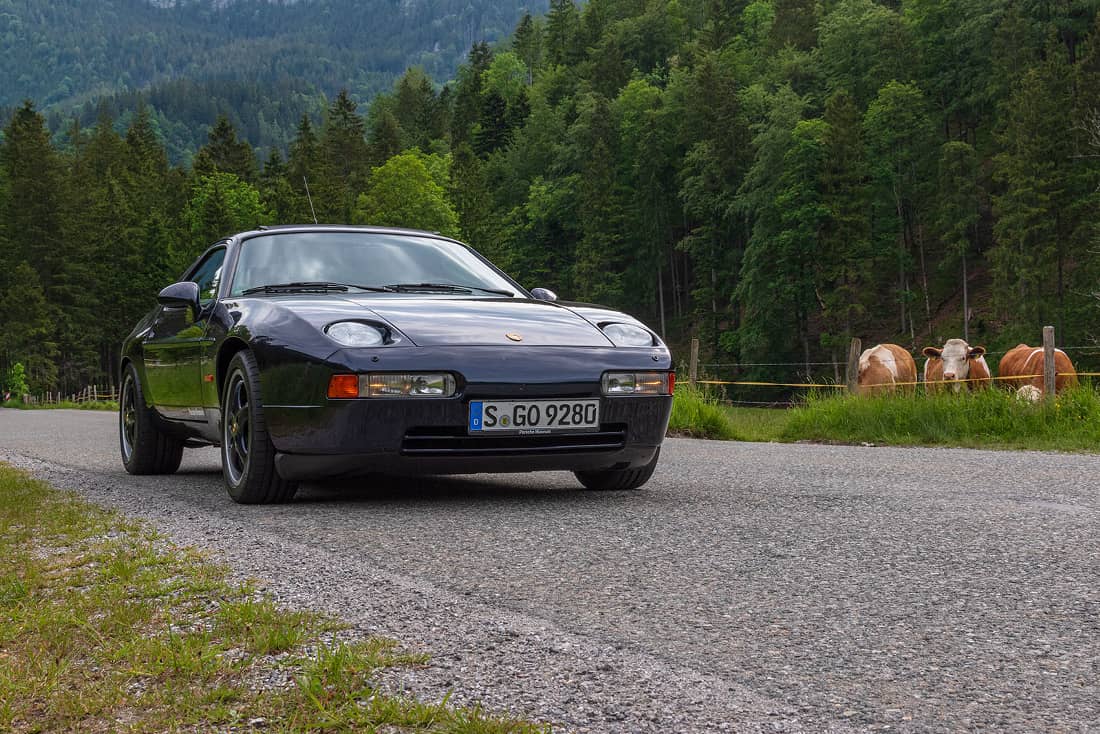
237,429
238,453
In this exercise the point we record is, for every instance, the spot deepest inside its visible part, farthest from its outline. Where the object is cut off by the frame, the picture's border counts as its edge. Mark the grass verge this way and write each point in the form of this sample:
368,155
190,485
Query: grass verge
696,413
104,626
985,419
67,405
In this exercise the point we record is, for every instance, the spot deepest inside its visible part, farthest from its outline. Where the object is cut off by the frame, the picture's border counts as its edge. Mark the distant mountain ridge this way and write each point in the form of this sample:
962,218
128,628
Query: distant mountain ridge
63,51
68,53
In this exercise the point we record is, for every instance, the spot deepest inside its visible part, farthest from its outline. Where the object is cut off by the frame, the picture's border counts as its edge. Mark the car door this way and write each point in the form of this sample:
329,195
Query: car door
174,346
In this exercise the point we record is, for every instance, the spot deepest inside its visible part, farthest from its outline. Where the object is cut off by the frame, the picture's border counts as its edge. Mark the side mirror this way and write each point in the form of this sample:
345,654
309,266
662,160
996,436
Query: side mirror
543,294
180,295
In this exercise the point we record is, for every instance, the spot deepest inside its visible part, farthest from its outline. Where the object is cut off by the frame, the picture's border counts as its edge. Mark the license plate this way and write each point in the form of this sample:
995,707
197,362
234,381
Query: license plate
534,417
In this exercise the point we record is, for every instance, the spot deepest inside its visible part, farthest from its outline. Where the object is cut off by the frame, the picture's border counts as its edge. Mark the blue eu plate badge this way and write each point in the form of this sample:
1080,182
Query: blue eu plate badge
475,415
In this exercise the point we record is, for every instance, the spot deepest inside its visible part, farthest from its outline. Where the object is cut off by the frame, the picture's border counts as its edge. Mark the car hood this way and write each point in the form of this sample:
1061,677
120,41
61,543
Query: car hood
447,321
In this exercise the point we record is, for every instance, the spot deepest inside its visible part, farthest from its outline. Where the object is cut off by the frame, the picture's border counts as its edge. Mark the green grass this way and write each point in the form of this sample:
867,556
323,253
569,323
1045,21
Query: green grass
986,419
104,626
757,424
65,404
696,413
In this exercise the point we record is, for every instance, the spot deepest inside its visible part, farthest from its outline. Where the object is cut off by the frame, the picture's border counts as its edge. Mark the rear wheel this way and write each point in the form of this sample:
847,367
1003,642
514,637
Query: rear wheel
146,449
618,479
248,456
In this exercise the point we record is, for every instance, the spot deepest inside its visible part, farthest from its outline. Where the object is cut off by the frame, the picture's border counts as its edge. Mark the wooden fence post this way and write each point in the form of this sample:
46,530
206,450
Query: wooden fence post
693,368
1048,363
852,374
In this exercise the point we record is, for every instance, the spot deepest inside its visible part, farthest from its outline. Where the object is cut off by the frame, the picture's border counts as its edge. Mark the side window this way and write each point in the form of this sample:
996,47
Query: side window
209,276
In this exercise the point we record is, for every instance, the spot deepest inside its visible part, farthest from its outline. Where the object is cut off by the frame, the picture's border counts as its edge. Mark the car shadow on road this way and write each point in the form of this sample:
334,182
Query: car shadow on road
443,489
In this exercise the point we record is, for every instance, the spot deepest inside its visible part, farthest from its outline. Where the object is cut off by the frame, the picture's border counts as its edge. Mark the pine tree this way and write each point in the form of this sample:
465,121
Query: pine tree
27,329
899,137
597,272
958,200
468,98
845,261
1036,212
225,154
30,214
345,160
527,44
563,40
303,168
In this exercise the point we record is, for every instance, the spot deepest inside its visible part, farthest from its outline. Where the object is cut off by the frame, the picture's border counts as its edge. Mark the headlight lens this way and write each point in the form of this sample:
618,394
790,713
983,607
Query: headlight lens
392,385
355,334
628,335
637,383
408,385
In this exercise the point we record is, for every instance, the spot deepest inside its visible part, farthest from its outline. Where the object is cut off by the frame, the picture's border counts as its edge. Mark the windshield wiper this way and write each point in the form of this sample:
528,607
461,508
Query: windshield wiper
310,286
447,288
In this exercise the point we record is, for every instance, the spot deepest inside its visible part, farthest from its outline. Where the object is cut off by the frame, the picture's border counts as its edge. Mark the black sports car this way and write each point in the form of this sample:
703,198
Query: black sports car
311,352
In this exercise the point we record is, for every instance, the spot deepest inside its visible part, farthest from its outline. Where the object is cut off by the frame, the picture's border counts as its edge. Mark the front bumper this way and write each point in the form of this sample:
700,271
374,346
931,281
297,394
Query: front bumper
429,435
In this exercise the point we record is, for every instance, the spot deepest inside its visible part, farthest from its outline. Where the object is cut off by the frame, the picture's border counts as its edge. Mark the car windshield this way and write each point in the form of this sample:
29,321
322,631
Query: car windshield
361,258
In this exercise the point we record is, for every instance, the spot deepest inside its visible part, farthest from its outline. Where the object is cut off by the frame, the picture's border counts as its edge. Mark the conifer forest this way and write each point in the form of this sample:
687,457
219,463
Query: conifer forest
772,177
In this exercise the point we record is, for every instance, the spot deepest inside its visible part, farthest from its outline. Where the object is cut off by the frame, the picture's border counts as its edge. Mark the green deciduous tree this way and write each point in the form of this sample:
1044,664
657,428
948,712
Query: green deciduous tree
220,205
403,192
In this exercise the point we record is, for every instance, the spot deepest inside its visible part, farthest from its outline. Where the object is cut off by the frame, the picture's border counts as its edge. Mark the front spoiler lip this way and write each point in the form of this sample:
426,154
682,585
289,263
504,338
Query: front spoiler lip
298,467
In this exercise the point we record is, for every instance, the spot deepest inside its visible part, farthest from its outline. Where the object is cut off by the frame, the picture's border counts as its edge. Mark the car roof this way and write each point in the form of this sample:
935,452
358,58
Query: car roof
277,228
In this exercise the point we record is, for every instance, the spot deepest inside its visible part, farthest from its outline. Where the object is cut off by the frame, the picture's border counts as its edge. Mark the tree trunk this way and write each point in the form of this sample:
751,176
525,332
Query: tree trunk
924,280
966,303
661,296
675,283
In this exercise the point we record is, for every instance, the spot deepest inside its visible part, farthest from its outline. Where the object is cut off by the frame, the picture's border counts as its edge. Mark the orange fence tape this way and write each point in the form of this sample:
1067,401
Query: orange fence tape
896,384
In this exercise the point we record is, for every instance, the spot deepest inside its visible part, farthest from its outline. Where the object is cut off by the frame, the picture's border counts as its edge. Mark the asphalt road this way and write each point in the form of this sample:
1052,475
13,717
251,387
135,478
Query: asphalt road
748,587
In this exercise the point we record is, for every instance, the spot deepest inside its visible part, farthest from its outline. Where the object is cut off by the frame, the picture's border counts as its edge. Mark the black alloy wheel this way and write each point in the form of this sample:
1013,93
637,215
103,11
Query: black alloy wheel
145,448
618,479
248,456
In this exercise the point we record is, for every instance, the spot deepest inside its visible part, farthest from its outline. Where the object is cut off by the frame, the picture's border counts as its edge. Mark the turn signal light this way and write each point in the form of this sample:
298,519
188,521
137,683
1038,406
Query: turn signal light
342,387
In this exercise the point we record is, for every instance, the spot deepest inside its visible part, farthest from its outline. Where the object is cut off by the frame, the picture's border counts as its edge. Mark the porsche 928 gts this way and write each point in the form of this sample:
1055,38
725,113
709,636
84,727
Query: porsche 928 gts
323,351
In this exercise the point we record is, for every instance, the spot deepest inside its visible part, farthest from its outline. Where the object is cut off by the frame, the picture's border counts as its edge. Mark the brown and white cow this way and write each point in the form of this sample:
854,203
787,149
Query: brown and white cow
886,366
1026,364
957,363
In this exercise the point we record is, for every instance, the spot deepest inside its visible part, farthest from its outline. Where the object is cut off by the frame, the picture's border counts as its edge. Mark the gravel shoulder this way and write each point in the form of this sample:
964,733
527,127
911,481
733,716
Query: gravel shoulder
748,587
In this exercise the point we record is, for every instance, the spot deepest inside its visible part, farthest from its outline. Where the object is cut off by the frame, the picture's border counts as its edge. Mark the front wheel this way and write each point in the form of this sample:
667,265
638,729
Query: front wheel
146,449
616,479
248,456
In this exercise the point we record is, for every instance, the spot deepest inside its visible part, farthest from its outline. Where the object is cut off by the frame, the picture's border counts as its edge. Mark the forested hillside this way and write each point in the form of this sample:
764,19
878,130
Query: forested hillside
773,177
263,61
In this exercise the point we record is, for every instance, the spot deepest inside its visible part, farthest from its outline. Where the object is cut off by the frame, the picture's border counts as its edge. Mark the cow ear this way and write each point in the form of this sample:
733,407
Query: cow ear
931,352
976,352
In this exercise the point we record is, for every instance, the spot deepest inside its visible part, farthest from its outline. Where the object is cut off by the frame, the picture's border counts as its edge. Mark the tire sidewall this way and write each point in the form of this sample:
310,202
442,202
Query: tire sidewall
238,368
130,380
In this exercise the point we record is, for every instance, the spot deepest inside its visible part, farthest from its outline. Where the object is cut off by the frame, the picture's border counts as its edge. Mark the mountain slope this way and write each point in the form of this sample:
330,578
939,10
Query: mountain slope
67,51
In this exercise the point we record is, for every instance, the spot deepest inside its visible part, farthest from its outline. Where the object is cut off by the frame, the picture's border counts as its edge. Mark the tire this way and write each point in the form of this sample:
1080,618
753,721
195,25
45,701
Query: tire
248,456
618,479
145,448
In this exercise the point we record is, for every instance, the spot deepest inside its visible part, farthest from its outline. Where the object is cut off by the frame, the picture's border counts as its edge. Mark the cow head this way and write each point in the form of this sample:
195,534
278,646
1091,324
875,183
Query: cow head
956,355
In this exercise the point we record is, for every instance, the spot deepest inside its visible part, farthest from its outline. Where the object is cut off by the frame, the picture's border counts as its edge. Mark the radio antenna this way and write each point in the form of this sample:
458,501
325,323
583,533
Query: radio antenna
310,198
